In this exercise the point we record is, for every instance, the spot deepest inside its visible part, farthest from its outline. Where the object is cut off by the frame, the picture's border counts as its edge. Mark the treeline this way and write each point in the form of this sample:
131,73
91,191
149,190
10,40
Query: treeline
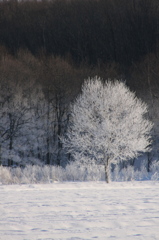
92,31
35,94
34,99
48,48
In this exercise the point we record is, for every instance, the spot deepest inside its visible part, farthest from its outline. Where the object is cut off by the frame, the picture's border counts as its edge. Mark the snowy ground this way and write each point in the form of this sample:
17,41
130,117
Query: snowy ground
88,210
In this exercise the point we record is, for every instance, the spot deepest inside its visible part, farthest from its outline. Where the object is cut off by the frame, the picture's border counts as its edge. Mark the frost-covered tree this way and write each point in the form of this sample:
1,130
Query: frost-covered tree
107,124
14,119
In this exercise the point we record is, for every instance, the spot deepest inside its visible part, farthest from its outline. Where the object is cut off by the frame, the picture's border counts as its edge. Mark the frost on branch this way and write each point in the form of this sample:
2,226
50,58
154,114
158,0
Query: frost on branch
107,124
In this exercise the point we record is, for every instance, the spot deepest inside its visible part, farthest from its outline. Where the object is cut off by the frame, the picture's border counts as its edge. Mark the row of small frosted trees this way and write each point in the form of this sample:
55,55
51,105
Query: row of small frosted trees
34,99
30,124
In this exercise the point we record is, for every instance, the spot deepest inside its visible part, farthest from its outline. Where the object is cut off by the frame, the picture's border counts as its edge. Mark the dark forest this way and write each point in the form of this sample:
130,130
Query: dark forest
48,48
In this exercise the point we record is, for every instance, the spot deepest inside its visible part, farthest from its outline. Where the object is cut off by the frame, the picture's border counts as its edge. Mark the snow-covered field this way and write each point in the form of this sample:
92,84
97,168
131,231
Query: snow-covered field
88,210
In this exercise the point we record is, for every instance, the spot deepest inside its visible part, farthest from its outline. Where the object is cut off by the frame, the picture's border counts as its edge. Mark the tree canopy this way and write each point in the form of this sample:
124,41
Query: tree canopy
107,124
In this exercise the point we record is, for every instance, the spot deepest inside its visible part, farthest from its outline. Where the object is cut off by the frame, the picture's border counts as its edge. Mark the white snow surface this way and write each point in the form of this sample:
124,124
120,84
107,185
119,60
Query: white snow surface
80,211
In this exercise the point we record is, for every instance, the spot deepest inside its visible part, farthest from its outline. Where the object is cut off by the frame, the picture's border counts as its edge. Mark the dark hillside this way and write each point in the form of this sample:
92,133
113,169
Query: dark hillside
93,31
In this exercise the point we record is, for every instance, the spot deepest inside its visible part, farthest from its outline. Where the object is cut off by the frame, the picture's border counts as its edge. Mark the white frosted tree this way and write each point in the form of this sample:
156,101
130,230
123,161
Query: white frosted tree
107,125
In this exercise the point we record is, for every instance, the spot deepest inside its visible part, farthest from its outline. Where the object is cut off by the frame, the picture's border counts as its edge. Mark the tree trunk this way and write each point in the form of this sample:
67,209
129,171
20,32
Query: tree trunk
107,172
59,145
10,161
149,161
